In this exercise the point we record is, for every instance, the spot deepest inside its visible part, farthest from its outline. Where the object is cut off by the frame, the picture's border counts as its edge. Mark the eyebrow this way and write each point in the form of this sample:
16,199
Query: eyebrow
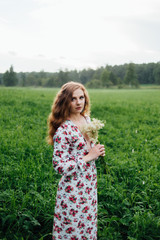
78,96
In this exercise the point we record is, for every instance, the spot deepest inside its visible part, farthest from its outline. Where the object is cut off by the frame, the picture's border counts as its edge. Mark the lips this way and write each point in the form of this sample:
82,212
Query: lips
78,108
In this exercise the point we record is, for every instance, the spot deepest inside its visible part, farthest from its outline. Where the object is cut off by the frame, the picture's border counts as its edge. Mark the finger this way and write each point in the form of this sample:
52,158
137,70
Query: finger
102,149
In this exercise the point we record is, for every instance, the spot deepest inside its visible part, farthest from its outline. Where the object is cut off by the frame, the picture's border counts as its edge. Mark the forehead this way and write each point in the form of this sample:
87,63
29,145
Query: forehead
77,92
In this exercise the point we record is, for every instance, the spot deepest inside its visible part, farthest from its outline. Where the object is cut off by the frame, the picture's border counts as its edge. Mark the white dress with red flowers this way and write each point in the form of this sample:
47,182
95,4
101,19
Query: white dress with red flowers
75,216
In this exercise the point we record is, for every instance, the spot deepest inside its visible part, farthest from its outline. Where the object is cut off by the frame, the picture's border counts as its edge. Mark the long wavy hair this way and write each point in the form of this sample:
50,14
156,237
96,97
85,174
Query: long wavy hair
60,109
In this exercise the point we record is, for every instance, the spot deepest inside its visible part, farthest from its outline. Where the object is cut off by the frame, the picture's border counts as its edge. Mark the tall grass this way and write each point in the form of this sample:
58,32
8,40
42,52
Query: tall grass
128,177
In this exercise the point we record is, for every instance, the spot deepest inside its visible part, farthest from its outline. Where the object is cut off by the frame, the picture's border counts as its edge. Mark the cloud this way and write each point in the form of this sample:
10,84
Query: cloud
12,53
80,33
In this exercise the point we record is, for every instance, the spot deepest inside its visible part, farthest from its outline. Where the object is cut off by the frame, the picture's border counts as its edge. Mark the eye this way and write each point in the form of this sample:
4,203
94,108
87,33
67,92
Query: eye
73,99
82,97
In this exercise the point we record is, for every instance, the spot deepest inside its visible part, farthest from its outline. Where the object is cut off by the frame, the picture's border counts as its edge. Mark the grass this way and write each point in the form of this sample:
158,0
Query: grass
128,177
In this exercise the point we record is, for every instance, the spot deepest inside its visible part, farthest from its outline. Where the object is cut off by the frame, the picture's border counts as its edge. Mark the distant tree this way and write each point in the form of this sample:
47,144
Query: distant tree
113,78
131,77
62,77
23,79
1,78
94,83
105,79
157,73
10,78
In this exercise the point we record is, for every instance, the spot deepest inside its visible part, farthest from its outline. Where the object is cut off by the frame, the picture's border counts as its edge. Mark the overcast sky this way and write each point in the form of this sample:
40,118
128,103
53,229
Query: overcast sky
51,35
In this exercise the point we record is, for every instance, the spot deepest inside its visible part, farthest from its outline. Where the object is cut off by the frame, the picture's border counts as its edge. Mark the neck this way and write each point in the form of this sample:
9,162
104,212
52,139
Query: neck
75,117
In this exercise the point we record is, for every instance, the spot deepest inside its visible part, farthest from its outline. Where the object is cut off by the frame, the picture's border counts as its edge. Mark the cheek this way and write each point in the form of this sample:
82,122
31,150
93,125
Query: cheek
72,105
84,102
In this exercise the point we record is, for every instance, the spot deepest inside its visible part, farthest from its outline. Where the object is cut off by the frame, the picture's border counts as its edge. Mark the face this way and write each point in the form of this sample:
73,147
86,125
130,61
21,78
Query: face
77,102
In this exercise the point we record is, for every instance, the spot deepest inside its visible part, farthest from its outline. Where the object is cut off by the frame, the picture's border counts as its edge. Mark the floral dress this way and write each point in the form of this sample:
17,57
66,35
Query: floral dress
75,216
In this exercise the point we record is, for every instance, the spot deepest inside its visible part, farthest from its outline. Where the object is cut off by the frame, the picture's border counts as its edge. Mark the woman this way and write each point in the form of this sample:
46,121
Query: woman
74,158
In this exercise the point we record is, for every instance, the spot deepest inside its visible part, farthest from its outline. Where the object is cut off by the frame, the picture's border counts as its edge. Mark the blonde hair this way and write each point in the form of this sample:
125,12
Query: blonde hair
60,109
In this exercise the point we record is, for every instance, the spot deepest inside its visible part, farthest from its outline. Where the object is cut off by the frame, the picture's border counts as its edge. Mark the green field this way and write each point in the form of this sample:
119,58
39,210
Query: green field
128,176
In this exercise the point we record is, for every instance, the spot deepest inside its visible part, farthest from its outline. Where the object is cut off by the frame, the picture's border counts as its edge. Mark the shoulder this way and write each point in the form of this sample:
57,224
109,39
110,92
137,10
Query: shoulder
63,129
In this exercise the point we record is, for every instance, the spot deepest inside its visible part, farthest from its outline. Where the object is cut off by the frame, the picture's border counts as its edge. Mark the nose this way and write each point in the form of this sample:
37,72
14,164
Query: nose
78,101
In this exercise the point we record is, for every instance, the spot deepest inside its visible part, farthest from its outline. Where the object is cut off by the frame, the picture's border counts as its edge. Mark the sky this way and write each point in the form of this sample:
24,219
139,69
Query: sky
53,35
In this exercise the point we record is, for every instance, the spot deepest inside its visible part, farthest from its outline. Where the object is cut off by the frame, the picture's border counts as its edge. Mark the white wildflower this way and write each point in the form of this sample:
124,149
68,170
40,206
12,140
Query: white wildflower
146,140
143,182
91,129
136,130
132,150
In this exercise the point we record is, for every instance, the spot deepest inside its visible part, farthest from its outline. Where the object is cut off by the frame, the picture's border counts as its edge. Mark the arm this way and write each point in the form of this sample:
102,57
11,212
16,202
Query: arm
63,162
94,153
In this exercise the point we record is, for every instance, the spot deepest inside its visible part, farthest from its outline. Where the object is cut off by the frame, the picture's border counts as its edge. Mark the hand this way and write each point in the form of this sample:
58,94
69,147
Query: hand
95,152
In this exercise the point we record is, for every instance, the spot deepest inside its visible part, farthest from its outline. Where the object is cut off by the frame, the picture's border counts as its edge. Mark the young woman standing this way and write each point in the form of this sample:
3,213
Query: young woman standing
74,158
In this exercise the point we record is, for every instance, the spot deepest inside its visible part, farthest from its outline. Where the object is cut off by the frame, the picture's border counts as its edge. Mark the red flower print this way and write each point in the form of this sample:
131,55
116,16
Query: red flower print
84,238
74,139
63,147
88,190
83,200
80,193
85,152
80,184
70,230
64,213
81,232
58,216
73,212
88,177
71,158
80,146
88,164
89,230
76,219
55,163
60,170
94,177
72,198
59,153
80,225
65,126
75,177
74,128
85,209
64,132
89,217
67,221
58,139
90,197
66,140
67,179
57,229
70,167
93,202
64,205
68,189
74,238
59,237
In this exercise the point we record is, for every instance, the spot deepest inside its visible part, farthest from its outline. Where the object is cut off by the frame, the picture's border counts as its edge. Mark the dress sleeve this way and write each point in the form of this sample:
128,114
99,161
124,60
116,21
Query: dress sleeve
64,162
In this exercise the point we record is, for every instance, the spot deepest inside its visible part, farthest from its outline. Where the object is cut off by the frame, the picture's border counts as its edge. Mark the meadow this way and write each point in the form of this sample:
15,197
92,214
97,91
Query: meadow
128,176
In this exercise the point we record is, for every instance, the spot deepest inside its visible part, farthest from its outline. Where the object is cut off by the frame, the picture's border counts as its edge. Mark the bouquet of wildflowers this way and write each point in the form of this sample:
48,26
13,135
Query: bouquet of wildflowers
91,129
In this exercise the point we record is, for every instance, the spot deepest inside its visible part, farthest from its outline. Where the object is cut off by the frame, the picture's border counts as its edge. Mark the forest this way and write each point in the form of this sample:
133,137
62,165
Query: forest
120,76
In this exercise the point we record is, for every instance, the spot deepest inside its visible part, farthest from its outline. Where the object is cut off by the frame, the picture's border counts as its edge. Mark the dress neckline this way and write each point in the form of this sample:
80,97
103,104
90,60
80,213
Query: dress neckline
79,130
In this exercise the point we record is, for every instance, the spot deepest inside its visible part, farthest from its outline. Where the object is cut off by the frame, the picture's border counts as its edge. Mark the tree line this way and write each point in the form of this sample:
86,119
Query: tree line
130,74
